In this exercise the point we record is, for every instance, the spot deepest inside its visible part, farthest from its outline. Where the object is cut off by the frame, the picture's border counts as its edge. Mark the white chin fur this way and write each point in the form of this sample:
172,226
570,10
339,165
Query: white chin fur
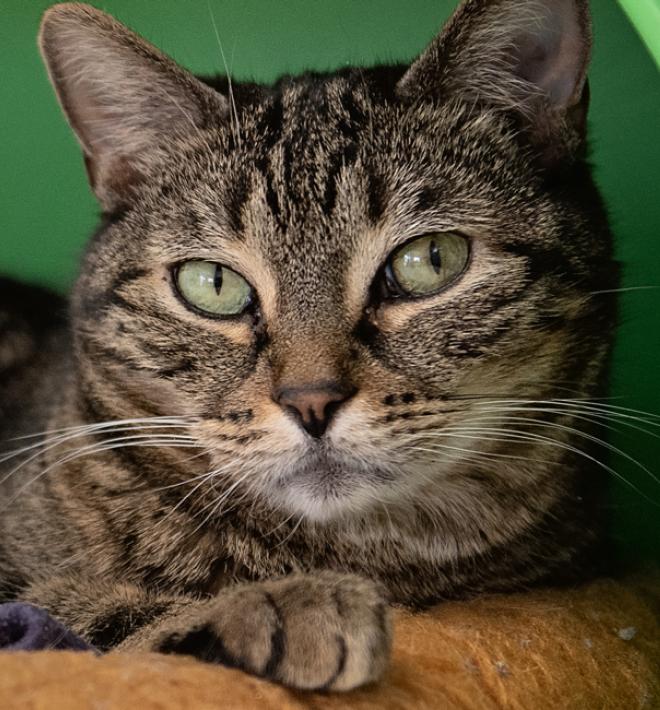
315,505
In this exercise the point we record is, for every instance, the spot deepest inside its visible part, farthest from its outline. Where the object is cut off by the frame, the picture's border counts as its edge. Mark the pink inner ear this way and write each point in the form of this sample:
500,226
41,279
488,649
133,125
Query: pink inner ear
553,55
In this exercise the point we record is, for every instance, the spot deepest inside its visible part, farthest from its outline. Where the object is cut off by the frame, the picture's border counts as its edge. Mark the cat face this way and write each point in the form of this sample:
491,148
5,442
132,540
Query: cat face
339,279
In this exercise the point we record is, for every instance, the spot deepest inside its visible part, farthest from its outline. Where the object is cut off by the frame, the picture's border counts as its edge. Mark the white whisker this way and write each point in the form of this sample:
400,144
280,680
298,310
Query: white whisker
232,103
216,505
203,478
99,447
174,421
623,290
281,524
593,417
45,446
292,532
477,433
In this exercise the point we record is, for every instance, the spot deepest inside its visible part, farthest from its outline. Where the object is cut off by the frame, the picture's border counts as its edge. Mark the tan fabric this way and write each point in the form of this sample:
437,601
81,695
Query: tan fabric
593,648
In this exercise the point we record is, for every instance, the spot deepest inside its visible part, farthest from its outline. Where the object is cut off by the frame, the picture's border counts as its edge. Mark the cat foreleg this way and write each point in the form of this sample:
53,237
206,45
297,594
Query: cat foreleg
309,631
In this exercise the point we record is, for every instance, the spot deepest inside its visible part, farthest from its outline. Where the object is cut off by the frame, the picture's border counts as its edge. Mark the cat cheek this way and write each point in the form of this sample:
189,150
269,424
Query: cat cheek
162,393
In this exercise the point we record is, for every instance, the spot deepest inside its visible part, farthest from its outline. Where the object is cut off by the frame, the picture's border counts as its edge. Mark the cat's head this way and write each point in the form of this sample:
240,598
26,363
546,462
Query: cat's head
340,278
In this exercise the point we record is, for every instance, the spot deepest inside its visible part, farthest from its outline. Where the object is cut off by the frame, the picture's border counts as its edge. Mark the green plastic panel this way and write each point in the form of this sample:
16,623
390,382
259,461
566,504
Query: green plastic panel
645,16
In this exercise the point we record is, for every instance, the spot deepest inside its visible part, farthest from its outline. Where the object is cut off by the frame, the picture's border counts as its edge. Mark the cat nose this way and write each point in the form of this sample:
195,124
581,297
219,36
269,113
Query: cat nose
313,406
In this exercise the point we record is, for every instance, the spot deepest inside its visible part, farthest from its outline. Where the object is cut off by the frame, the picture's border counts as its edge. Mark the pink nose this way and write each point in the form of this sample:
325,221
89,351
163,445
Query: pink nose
313,406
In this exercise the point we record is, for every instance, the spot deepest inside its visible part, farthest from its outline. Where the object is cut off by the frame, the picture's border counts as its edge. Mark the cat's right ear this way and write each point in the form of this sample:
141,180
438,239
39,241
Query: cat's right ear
123,98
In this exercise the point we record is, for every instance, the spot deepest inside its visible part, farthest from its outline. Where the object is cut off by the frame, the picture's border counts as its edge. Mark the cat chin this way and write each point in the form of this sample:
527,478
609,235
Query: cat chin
322,506
327,487
324,497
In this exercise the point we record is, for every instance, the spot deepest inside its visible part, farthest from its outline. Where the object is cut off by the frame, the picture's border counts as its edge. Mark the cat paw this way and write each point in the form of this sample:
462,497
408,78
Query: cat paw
322,631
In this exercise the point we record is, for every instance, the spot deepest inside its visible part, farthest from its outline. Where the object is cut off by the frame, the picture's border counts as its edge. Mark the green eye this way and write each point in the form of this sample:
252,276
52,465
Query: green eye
428,264
213,288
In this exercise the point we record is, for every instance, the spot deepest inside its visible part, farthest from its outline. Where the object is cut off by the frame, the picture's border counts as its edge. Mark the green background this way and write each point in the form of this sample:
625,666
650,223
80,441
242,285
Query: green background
47,211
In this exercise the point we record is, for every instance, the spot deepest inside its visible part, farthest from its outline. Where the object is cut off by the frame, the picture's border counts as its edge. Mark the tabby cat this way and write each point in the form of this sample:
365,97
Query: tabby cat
322,351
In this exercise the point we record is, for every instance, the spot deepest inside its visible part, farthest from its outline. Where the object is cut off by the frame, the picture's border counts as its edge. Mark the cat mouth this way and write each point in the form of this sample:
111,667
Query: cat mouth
334,468
325,485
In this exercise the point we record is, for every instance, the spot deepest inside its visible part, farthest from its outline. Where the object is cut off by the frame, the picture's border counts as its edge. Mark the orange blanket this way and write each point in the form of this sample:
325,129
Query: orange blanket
597,647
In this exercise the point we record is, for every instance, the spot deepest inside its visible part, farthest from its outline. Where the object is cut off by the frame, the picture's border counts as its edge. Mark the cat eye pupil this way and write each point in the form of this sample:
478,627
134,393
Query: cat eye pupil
434,254
217,278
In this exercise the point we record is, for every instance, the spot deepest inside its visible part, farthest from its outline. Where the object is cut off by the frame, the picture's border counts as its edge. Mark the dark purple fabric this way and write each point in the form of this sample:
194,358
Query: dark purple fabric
24,627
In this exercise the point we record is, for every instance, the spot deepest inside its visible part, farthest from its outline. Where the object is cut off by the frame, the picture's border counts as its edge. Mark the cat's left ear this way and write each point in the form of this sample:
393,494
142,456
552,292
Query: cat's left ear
528,57
124,99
